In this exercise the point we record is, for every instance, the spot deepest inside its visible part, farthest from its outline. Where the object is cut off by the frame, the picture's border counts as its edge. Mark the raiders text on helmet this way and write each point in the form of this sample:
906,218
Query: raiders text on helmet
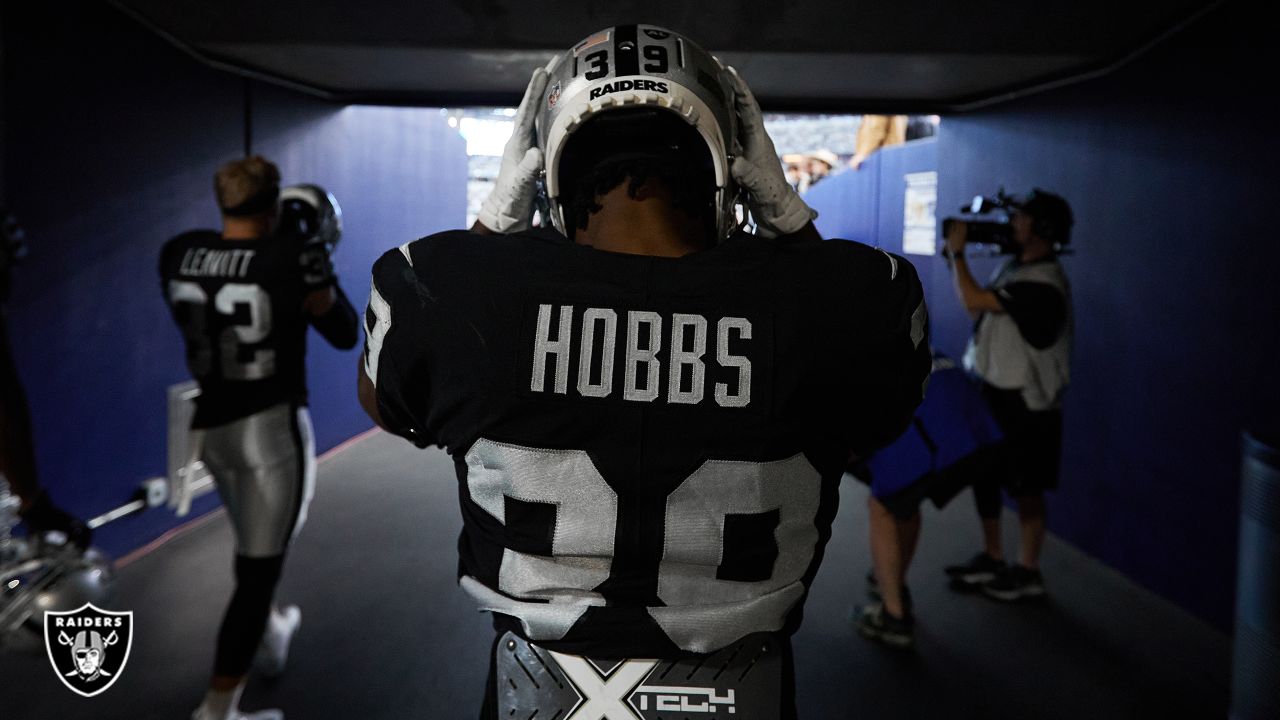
640,67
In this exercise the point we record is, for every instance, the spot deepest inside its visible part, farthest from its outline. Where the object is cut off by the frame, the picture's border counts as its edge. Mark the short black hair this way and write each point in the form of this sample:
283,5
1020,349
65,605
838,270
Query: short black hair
638,145
689,191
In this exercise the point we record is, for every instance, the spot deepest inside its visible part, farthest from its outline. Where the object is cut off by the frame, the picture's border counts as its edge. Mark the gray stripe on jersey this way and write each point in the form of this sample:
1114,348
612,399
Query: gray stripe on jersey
893,265
919,318
377,334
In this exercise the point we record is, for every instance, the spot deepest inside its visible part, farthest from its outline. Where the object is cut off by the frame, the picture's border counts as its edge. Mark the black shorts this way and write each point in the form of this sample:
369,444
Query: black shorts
1028,457
903,503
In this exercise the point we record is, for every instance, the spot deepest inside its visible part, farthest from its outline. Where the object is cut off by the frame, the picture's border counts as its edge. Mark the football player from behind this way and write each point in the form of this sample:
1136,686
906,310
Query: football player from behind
650,410
243,299
17,449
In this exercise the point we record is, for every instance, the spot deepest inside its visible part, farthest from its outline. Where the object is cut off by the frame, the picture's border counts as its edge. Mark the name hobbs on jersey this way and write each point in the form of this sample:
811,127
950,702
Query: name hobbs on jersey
689,338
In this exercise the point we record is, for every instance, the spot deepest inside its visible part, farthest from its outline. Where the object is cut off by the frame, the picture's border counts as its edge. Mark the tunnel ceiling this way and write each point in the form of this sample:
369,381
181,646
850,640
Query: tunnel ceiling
847,55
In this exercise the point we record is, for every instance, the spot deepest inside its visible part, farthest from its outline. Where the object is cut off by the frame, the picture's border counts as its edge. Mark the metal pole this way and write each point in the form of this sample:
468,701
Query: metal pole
1255,677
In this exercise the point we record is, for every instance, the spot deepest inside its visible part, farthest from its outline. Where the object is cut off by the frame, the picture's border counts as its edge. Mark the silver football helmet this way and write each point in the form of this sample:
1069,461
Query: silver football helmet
37,577
639,67
311,213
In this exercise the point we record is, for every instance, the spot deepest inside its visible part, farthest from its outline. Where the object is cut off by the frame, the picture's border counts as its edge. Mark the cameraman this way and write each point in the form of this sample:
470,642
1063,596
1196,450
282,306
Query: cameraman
1020,350
17,452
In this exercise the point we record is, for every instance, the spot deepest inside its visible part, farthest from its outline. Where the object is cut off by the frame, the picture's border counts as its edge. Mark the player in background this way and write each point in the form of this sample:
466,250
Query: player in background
243,299
17,449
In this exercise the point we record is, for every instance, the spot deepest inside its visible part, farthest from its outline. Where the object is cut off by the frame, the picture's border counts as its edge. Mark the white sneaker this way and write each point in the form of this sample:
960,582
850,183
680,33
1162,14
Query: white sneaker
203,713
273,652
225,705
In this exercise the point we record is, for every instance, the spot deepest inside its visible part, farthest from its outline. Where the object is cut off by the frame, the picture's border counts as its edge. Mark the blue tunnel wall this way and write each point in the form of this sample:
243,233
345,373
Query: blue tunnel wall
111,138
1169,165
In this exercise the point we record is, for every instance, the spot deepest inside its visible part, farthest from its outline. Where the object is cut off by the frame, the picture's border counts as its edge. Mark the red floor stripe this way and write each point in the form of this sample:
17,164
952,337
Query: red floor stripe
200,521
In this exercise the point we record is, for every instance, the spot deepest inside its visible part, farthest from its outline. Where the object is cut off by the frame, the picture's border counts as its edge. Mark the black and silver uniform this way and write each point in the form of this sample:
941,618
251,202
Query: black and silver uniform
239,305
648,449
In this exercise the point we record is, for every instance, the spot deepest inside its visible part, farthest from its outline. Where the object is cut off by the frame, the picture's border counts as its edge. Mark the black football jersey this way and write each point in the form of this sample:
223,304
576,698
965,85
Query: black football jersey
648,449
239,306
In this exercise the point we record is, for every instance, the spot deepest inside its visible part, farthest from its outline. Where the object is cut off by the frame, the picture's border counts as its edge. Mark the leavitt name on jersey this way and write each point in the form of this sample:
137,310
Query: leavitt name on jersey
210,262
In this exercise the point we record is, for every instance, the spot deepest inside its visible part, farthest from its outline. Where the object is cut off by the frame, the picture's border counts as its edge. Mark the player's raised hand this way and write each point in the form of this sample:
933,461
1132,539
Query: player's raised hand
775,205
509,207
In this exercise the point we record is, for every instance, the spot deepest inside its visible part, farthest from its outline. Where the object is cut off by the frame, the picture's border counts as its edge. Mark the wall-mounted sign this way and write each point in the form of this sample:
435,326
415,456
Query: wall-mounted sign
919,222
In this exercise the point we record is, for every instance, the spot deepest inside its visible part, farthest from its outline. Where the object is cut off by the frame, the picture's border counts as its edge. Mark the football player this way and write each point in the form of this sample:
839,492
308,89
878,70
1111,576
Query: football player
649,409
17,451
243,299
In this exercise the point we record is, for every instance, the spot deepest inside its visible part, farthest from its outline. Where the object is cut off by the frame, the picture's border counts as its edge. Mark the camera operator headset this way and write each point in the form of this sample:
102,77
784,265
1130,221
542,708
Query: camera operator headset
1020,349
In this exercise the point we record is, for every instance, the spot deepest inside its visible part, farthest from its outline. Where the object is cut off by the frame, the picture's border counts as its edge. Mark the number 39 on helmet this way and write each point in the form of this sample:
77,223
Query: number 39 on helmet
639,67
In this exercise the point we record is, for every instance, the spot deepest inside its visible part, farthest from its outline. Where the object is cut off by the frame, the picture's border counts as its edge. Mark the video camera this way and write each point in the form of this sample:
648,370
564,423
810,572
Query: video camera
989,226
12,249
988,221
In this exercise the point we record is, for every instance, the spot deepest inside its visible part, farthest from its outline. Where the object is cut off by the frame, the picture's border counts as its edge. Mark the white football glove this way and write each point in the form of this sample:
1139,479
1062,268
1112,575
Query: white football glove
181,483
509,207
775,205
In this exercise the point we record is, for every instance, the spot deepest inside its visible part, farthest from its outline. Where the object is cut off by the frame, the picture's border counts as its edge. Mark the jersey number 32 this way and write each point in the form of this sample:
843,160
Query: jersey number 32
239,317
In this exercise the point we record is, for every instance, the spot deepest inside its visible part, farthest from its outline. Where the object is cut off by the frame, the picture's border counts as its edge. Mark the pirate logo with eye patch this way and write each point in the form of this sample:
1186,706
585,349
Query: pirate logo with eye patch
88,647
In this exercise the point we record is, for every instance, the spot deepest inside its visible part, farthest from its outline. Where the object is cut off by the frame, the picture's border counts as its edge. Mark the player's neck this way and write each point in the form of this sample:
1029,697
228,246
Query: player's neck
648,224
244,228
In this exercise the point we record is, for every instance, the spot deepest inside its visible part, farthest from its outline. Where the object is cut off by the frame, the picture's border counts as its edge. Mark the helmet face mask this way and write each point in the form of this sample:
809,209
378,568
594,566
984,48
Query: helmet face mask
638,67
311,213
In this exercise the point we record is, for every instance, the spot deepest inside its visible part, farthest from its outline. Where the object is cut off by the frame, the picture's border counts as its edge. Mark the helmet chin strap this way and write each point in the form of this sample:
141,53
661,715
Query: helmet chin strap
730,198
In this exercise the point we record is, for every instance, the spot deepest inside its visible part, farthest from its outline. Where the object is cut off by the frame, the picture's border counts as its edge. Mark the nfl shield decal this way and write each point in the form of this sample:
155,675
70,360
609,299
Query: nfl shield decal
88,647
